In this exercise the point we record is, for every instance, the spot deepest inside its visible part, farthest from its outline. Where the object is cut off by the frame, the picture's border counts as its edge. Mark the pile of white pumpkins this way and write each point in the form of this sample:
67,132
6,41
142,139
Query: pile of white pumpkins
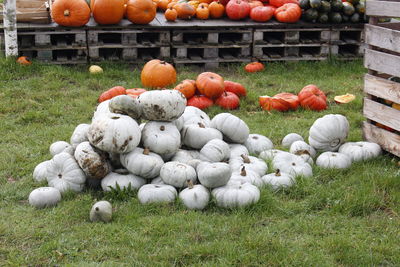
180,149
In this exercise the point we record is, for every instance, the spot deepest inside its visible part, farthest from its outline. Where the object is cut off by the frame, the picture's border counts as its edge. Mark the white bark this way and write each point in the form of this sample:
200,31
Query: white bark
10,28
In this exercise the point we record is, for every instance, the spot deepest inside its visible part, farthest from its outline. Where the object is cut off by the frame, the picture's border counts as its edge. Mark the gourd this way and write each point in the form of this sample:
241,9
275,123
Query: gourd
40,171
197,135
215,150
195,197
177,174
161,137
301,147
246,176
329,132
333,160
233,128
156,193
101,212
236,195
123,179
142,162
292,164
359,151
93,162
278,180
60,146
290,138
43,197
126,105
251,163
64,173
213,174
237,150
114,133
256,143
162,105
80,134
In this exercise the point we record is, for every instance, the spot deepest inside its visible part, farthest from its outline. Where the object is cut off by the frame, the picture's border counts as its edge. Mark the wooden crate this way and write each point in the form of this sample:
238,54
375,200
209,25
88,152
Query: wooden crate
381,84
34,11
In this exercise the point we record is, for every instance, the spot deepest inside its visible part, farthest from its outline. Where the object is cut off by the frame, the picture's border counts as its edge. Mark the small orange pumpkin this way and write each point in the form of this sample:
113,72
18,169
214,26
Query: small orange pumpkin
254,67
158,74
210,84
202,12
108,11
110,93
24,61
216,9
276,103
141,11
186,87
162,4
70,13
171,14
185,11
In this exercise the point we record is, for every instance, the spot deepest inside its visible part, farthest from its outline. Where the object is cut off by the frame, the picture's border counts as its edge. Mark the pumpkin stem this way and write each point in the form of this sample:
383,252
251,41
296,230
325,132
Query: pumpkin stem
302,152
245,158
201,125
146,151
66,13
278,172
190,184
243,171
162,128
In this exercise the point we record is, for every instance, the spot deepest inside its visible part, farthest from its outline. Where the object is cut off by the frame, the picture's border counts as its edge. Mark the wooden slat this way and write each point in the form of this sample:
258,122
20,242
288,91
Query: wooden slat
387,140
383,8
382,62
382,88
382,37
30,4
381,113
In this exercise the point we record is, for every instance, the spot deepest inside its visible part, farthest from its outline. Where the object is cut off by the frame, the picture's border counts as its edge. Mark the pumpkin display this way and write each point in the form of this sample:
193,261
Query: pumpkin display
197,135
92,161
237,150
114,133
256,143
135,92
194,115
237,9
23,60
177,174
278,180
123,179
254,67
250,163
213,174
329,132
228,100
311,97
184,10
217,10
162,105
187,88
236,195
189,157
262,13
333,160
140,11
156,193
202,12
246,176
110,93
195,197
108,11
301,147
200,101
233,128
270,154
101,212
64,173
79,135
292,164
60,146
210,84
273,103
70,13
288,13
43,197
360,151
288,140
142,162
292,99
161,137
215,150
40,171
235,88
157,73
126,105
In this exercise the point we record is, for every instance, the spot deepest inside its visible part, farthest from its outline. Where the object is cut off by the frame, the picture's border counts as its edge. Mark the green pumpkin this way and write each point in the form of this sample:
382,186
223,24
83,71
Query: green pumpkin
315,3
304,4
360,8
325,7
355,18
335,17
323,18
348,9
310,15
336,5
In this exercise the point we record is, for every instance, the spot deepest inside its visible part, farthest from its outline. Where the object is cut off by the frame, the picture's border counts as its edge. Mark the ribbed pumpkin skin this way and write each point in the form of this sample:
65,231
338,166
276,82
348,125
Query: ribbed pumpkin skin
141,11
210,84
158,74
108,11
70,13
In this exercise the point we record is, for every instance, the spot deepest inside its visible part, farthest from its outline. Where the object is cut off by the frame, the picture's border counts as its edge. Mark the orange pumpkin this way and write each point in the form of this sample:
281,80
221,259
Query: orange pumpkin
216,9
110,93
162,4
291,98
255,3
276,103
70,13
171,14
202,12
254,67
140,11
24,61
205,1
210,84
108,11
135,92
186,87
158,74
185,11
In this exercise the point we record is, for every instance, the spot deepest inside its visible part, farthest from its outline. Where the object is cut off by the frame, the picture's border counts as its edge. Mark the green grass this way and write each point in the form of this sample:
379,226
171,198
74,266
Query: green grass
343,218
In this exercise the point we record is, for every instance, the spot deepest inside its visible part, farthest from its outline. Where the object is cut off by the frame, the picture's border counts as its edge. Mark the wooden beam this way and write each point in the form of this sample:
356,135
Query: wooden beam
383,8
387,140
382,62
381,113
10,28
382,88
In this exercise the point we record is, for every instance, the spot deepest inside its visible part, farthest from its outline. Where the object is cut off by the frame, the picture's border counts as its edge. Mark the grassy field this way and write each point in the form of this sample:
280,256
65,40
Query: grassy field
342,218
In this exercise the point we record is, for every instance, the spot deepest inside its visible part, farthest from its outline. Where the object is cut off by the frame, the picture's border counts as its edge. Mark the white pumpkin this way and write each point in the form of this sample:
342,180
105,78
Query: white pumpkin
193,115
123,179
256,143
40,171
270,154
292,164
195,197
359,151
64,173
127,105
142,162
101,212
102,109
92,161
215,150
114,133
161,137
251,163
79,135
288,140
157,180
236,195
246,176
197,135
237,150
162,105
278,180
61,146
156,193
233,128
301,147
43,197
329,132
333,160
185,156
179,122
213,174
177,174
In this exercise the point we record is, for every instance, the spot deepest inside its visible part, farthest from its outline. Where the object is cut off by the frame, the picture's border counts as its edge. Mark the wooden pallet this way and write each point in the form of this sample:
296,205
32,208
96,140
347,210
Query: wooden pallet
382,58
272,37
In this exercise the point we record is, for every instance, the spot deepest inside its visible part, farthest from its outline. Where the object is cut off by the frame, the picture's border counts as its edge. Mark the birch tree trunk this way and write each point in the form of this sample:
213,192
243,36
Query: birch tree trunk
10,28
